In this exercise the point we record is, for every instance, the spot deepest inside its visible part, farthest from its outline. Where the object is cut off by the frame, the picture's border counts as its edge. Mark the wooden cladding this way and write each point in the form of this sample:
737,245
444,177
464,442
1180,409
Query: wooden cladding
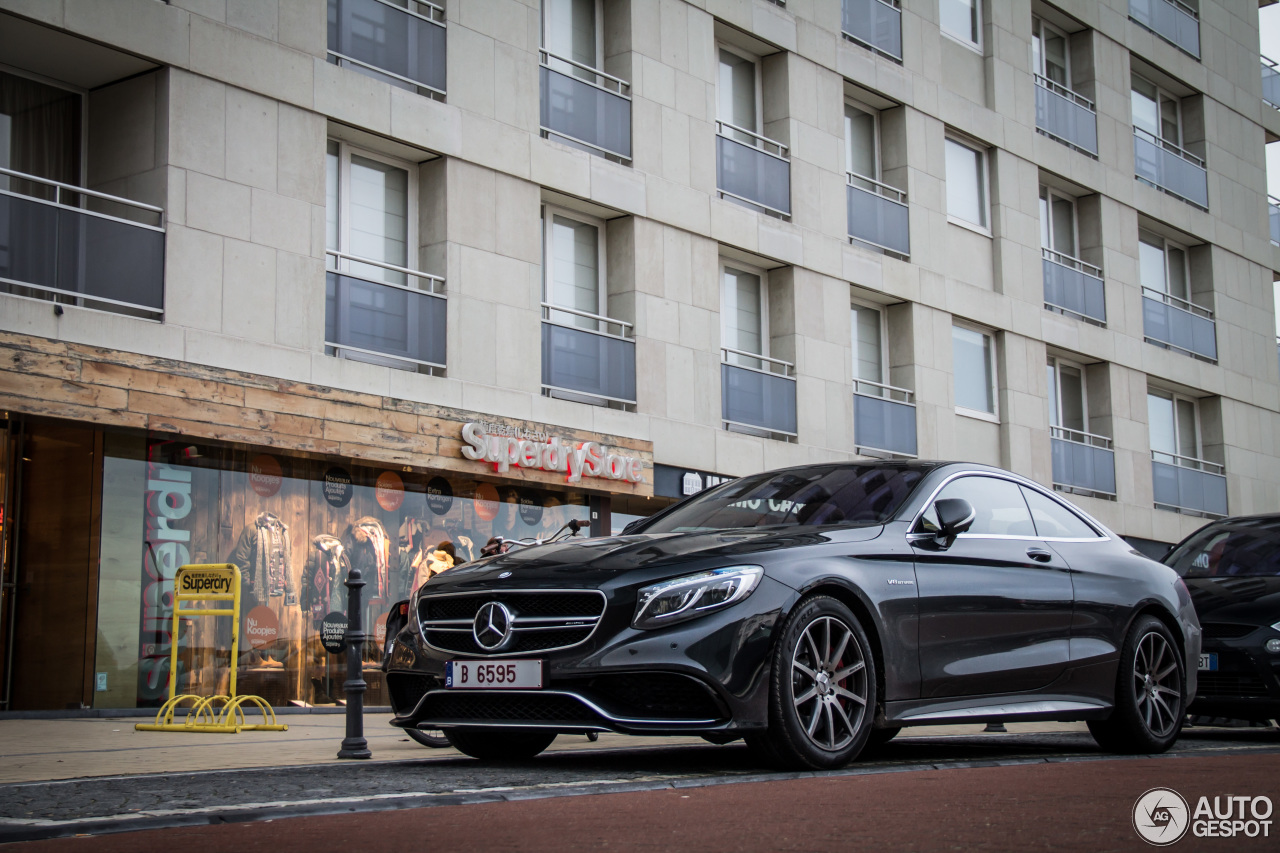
77,382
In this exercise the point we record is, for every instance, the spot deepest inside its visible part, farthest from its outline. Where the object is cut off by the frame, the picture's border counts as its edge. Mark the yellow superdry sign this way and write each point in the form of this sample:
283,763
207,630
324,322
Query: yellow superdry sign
209,583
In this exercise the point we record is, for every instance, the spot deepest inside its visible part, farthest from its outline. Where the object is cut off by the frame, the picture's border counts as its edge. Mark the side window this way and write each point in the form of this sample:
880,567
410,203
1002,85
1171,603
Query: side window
998,504
1055,520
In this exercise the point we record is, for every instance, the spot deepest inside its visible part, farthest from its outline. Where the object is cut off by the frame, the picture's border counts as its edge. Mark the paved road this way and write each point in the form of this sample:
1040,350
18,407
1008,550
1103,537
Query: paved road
108,805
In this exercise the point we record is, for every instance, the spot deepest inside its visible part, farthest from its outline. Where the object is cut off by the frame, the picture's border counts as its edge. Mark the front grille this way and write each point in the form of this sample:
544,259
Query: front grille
508,707
1225,685
654,695
542,620
406,689
1226,630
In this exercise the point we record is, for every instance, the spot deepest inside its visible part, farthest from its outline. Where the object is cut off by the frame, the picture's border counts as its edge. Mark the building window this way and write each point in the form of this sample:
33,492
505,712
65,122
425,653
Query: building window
1156,111
367,204
1050,56
974,365
1162,266
967,184
1174,423
738,93
574,267
1058,229
862,142
571,29
869,338
745,311
962,20
1068,400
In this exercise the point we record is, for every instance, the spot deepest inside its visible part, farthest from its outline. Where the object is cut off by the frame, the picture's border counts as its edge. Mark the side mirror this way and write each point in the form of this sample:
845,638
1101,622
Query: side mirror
955,516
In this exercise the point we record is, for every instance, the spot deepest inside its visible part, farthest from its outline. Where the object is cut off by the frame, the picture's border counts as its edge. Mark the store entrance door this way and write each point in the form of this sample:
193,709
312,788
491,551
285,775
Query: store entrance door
50,571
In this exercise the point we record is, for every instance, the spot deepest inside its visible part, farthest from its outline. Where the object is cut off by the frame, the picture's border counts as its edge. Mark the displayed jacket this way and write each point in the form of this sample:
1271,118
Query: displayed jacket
368,548
323,577
433,564
263,555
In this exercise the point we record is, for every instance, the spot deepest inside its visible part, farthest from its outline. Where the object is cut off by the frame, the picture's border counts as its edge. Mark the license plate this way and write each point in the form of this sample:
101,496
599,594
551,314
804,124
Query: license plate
1209,661
495,675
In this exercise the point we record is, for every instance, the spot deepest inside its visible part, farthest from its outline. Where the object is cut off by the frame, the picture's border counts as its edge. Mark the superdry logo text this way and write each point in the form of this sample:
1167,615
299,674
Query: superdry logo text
196,583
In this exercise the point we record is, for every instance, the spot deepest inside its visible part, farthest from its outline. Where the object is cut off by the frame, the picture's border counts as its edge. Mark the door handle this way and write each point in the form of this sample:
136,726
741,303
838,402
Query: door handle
1040,555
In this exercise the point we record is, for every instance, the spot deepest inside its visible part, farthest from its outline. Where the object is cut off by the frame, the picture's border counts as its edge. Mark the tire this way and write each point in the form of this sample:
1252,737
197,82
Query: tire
496,745
822,693
1150,700
879,737
433,738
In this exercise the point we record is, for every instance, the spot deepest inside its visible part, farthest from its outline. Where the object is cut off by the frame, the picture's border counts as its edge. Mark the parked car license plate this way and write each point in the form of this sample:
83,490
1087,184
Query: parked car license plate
495,675
1209,661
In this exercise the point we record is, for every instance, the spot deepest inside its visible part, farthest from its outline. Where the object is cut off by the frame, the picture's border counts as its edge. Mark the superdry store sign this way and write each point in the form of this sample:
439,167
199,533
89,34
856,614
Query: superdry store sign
508,447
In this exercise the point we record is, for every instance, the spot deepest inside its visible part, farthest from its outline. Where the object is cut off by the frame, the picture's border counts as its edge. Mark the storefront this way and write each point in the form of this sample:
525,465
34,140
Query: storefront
98,519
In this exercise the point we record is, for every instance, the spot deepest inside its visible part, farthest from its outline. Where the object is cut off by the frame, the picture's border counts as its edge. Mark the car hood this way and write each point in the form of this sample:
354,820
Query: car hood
587,562
1251,600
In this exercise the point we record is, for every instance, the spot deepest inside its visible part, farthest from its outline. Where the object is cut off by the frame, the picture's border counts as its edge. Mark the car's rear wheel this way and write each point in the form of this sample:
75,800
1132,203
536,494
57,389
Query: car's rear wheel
1150,703
434,738
496,745
823,689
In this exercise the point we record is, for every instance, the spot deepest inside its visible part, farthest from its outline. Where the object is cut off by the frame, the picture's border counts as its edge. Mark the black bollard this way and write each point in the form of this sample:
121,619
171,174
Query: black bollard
354,745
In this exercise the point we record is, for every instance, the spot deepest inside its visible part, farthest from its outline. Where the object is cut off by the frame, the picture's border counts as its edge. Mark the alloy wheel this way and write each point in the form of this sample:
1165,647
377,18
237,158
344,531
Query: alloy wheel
829,683
1157,684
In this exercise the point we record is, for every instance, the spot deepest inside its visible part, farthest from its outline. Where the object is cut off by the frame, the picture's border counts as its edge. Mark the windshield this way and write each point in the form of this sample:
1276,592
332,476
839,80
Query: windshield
823,494
1241,549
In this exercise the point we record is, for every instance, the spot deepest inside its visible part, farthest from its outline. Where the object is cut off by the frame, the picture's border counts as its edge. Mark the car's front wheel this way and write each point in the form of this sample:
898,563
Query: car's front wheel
433,738
497,745
1150,703
823,690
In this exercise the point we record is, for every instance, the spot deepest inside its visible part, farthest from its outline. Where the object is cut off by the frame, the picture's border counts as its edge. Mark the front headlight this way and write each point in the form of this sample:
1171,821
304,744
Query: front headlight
691,596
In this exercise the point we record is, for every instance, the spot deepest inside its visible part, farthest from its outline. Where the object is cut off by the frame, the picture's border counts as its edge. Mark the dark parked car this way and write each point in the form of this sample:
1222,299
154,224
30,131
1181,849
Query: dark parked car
808,610
1233,570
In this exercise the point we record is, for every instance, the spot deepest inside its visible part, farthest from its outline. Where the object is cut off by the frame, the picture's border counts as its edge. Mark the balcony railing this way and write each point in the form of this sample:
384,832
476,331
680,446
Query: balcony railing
1187,484
1178,324
1066,116
1270,83
584,106
1073,287
1083,462
581,360
757,170
1170,168
396,325
757,398
874,24
877,214
80,247
1176,23
884,419
1273,218
403,46
1278,351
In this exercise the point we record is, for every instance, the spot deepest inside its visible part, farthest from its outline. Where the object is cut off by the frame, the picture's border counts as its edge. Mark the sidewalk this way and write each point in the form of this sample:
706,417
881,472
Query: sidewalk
43,750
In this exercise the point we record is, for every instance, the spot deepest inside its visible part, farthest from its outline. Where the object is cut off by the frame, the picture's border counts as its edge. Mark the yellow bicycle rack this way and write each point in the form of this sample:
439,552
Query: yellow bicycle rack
209,582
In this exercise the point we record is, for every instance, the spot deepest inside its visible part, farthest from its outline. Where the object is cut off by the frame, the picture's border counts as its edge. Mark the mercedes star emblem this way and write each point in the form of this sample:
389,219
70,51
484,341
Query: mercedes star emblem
505,575
492,626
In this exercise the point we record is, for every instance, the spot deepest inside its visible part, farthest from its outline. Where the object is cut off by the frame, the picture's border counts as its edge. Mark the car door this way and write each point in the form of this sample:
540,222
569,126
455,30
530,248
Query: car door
995,604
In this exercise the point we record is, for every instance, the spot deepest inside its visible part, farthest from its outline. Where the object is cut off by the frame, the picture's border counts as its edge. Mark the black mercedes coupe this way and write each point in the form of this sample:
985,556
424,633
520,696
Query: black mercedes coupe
809,610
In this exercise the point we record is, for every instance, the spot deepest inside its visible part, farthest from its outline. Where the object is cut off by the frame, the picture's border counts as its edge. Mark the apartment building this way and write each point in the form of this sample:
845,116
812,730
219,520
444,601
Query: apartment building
308,285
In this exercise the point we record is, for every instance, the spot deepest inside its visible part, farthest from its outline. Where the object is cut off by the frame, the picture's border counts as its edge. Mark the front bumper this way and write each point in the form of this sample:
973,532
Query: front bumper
703,676
1246,684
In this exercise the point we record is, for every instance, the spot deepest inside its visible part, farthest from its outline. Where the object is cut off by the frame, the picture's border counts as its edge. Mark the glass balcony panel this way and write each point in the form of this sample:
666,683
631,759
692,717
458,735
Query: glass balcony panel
1172,173
874,23
1083,466
407,326
575,109
372,33
883,424
755,399
1270,84
1189,488
878,220
1074,291
749,173
1179,328
72,252
1066,119
588,363
1173,22
1273,215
